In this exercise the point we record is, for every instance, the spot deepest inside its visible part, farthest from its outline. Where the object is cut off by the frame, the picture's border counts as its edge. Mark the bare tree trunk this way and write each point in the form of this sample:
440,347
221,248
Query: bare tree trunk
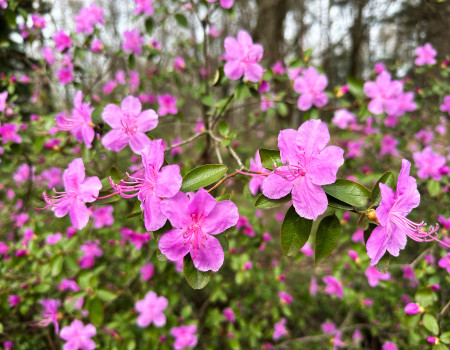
357,34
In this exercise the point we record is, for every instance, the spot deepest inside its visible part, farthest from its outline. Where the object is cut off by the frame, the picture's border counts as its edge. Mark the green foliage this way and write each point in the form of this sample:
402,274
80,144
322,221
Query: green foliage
295,232
327,237
202,176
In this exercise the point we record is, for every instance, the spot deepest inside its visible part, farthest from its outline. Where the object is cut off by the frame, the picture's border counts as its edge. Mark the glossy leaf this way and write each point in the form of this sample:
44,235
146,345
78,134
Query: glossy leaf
348,192
295,232
327,237
202,176
388,179
269,157
383,264
96,312
195,278
430,323
266,203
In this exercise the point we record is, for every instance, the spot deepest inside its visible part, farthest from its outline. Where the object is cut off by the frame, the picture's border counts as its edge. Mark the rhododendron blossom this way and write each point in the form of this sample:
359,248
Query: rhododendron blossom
129,125
8,132
383,93
79,122
133,41
279,329
151,310
167,105
445,107
50,313
152,184
333,286
62,41
184,337
196,218
88,17
307,165
257,180
144,6
78,191
78,336
242,58
311,85
374,276
425,55
430,164
394,227
226,4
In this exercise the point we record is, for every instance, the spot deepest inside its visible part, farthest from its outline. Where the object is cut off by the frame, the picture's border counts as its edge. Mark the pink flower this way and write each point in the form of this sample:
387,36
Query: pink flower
144,6
280,330
402,103
242,58
425,55
147,271
278,68
213,32
151,310
379,67
307,249
153,185
79,122
78,191
109,87
374,276
179,64
228,313
429,163
78,336
129,125
97,46
50,313
285,298
4,5
13,300
226,4
103,216
136,238
433,340
3,248
196,218
393,226
88,17
333,286
313,287
53,177
24,173
167,105
389,145
9,133
445,262
412,309
8,345
257,180
311,85
445,222
133,41
308,164
184,337
3,98
382,92
445,107
91,250
343,118
68,285
328,327
53,239
65,75
38,21
62,41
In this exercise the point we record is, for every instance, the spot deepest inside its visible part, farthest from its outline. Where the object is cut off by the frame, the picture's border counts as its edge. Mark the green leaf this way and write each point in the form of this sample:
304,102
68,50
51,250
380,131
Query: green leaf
181,20
223,240
114,173
440,346
208,100
363,222
224,197
158,233
10,17
56,265
433,187
348,192
424,297
445,337
195,278
327,237
96,312
383,264
356,87
269,157
282,109
224,129
149,24
266,203
202,176
242,91
136,210
388,179
430,323
295,232
106,295
336,203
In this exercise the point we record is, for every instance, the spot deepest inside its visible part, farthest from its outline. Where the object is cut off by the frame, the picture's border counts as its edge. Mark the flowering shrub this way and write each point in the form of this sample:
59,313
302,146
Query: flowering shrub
186,198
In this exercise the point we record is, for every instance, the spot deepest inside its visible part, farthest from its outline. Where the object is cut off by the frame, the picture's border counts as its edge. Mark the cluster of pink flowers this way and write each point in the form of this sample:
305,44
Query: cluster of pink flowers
311,85
88,17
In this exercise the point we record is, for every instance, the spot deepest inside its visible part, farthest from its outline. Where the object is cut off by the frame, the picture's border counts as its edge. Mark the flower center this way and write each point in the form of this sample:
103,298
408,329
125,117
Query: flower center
194,234
129,126
291,172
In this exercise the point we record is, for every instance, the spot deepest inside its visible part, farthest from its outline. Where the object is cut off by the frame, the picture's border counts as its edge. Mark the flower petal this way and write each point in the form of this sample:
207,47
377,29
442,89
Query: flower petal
387,201
313,136
115,140
138,141
169,181
376,244
202,203
79,214
113,115
147,120
309,199
153,217
175,209
324,167
234,69
275,187
224,215
173,245
89,189
131,106
287,143
153,155
396,241
74,174
209,255
253,72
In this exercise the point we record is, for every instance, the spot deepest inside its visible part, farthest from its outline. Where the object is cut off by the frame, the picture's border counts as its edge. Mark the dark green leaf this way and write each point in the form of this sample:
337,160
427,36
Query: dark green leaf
106,295
269,157
195,278
223,197
96,312
242,92
295,232
149,24
383,264
388,179
202,176
181,20
363,222
266,203
136,210
56,265
430,323
355,86
158,233
336,203
327,237
348,192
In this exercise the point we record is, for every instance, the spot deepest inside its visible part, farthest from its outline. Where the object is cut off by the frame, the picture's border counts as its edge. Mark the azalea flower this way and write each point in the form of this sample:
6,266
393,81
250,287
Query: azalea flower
429,163
147,271
382,92
242,58
311,85
8,132
228,313
226,4
280,329
196,218
152,184
78,191
257,180
78,336
307,165
167,105
445,107
144,6
394,227
133,41
425,55
3,97
50,313
88,17
333,286
151,310
374,276
103,216
129,125
184,337
62,41
343,118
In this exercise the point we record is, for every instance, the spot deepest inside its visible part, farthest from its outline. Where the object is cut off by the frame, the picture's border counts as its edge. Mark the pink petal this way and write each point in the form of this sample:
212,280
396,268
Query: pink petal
115,140
62,208
376,106
287,143
396,241
376,244
305,101
79,214
232,50
324,167
89,331
371,89
175,209
169,181
74,174
113,116
202,203
209,255
89,189
153,217
387,201
244,38
224,215
153,155
88,135
320,99
159,320
275,187
309,200
147,120
313,136
131,106
173,245
143,320
138,141
253,72
234,69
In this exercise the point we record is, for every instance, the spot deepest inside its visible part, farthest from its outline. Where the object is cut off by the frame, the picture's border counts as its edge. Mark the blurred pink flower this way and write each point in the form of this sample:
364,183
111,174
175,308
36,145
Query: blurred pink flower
132,41
167,105
78,336
425,55
184,337
311,85
151,310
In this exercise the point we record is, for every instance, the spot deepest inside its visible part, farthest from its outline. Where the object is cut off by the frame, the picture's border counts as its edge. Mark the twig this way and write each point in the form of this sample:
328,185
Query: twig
222,181
444,309
190,139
